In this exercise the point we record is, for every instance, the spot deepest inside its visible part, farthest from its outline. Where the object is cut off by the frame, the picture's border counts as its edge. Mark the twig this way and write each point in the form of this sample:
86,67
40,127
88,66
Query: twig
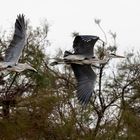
11,84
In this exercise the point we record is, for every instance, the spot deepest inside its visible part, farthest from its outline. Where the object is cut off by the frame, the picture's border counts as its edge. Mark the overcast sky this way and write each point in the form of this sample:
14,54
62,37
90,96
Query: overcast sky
67,16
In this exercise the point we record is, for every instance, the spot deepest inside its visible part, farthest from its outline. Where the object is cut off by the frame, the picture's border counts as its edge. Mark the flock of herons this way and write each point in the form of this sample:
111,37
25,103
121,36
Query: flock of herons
81,60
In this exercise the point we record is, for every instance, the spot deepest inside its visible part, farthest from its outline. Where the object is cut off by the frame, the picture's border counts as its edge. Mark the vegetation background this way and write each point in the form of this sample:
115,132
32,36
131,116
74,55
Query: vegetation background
43,105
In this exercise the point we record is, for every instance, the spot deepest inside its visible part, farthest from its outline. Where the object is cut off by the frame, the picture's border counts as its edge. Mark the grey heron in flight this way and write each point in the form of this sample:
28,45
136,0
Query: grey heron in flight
81,62
15,48
84,74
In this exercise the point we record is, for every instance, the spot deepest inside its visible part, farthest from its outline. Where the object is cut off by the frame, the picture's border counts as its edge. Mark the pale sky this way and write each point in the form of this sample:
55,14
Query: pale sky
67,16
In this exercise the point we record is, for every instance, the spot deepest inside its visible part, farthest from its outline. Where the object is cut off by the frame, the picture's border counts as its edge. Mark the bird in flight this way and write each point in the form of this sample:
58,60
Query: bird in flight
15,49
84,74
81,62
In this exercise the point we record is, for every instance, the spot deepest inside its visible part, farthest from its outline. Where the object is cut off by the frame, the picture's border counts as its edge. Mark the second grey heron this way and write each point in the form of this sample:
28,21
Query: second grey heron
15,48
81,62
85,76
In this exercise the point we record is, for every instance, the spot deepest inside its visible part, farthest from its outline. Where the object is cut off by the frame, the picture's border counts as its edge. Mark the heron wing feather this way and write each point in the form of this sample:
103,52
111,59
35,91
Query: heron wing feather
86,78
84,45
16,46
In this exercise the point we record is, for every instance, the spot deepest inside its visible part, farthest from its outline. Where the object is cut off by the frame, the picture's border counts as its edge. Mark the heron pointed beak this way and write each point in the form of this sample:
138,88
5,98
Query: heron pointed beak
117,56
53,63
32,69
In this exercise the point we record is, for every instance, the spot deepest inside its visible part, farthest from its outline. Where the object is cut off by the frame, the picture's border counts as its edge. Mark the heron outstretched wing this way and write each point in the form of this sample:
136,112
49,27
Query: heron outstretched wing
86,78
84,45
16,46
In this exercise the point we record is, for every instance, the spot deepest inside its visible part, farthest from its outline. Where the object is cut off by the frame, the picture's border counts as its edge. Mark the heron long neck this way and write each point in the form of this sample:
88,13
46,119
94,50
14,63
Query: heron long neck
105,59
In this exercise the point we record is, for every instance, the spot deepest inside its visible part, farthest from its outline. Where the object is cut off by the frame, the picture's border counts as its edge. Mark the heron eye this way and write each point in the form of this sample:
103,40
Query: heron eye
9,66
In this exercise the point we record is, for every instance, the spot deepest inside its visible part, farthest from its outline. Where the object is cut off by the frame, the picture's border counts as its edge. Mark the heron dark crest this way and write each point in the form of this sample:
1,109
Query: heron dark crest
15,48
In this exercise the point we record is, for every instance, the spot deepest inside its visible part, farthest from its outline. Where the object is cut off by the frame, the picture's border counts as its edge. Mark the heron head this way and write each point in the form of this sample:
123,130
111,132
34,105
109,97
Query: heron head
113,55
